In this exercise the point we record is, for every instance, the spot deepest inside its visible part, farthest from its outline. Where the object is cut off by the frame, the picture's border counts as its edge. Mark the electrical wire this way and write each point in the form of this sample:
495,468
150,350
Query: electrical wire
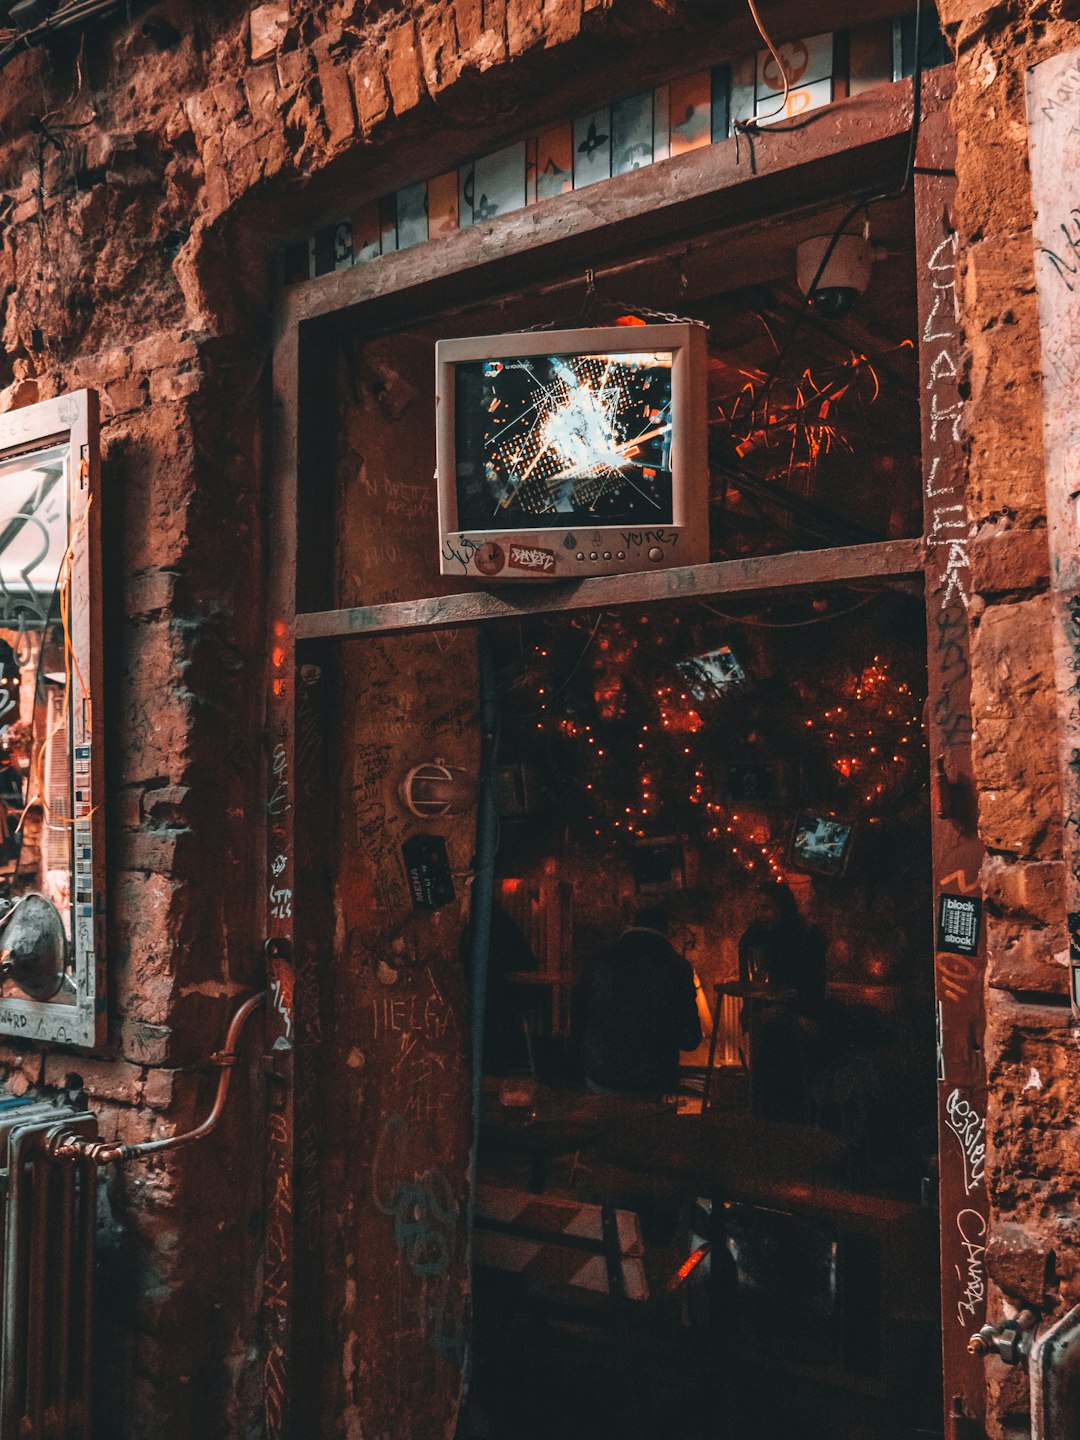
63,19
790,624
860,205
535,714
756,120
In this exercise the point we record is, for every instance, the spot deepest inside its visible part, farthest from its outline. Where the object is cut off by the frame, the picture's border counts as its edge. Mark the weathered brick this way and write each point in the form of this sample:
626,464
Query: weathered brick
30,1064
524,25
562,21
1019,1262
368,77
126,806
126,395
439,48
1007,561
153,850
114,1080
1012,667
166,803
293,66
1026,958
144,1043
268,27
469,22
495,16
337,97
261,89
403,74
159,1088
167,386
1029,891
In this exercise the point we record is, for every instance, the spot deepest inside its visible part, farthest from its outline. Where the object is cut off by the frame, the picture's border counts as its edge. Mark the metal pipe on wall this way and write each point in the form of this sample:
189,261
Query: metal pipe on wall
62,1144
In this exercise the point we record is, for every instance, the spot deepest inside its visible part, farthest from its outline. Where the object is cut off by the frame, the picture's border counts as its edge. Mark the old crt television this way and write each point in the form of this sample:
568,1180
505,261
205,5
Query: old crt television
568,453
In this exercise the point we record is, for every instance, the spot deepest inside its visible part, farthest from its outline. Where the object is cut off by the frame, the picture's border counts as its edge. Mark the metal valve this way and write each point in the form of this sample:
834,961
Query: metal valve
1010,1341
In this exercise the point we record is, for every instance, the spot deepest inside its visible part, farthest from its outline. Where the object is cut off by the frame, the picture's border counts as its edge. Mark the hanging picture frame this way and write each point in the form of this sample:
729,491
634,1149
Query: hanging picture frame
51,764
821,843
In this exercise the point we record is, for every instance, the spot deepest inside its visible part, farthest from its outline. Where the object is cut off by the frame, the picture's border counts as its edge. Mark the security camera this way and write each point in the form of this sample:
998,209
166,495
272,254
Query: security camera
843,279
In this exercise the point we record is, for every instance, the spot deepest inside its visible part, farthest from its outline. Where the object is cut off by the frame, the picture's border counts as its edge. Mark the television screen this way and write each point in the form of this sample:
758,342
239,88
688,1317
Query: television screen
821,844
557,441
712,674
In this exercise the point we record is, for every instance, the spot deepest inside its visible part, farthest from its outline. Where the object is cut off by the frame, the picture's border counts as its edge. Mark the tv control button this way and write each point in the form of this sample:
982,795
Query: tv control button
656,553
621,555
581,554
593,555
607,554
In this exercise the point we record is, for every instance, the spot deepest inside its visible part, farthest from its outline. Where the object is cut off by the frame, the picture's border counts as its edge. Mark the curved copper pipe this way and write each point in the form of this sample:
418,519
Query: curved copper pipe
61,1144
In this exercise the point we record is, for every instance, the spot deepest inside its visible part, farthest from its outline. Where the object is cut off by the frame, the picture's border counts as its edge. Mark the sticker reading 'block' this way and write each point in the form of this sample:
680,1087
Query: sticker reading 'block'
959,917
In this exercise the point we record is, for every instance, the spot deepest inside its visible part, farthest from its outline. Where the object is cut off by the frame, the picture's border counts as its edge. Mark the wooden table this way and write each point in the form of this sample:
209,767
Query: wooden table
564,1121
741,1159
729,1157
736,1154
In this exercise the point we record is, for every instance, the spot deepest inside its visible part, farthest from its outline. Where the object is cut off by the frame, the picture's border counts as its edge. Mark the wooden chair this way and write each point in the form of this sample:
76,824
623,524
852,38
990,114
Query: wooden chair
565,1263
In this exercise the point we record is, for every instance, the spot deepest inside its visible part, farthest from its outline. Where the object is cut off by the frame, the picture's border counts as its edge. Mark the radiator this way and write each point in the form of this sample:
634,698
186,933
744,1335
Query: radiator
1054,1368
47,1225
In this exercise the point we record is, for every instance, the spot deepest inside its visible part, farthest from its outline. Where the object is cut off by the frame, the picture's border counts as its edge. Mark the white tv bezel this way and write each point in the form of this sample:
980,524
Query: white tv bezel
601,549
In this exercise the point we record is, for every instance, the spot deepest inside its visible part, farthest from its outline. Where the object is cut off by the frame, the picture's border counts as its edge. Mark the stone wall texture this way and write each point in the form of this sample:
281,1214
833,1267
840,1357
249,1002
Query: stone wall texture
150,176
1031,1052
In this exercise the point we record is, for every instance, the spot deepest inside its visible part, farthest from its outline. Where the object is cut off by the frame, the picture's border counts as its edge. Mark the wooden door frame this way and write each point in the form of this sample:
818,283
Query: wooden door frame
844,152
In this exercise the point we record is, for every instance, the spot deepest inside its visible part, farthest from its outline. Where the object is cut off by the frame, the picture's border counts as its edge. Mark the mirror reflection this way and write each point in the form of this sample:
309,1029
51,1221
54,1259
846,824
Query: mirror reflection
36,792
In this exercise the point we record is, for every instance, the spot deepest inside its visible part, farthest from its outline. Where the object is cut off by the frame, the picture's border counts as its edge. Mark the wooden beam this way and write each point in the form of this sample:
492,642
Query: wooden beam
957,851
843,149
762,574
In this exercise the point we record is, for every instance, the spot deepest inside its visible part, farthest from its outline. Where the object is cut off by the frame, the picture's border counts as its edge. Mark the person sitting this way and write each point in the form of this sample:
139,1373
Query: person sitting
635,1009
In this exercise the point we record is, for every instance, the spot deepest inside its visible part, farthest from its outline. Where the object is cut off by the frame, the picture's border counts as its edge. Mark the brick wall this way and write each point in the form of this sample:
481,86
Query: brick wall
138,236
140,228
1031,1053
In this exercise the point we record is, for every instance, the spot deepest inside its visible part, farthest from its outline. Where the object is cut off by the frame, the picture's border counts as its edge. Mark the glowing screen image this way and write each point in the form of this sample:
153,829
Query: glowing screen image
821,844
546,441
711,674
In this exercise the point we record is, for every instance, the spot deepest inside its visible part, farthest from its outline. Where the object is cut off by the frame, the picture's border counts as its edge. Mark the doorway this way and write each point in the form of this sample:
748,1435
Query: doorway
671,757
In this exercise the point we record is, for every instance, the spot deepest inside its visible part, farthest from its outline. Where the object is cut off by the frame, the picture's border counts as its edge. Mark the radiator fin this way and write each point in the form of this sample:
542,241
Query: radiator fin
47,1228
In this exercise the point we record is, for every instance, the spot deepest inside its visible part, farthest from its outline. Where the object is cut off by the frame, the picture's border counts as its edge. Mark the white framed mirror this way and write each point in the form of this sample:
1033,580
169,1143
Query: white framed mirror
51,766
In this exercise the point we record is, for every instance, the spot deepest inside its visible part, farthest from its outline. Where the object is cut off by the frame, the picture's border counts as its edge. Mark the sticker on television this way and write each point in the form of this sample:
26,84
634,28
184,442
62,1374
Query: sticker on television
490,558
532,557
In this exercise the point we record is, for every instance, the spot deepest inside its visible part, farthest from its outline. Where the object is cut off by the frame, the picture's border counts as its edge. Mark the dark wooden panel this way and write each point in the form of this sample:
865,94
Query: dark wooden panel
957,849
275,835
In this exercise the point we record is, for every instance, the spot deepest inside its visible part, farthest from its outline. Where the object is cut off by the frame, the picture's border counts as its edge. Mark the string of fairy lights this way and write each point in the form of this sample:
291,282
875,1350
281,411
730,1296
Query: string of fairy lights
689,724
643,753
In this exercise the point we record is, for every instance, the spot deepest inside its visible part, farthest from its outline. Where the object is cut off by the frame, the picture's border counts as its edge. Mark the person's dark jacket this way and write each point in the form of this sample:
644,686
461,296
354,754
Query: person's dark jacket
634,1010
